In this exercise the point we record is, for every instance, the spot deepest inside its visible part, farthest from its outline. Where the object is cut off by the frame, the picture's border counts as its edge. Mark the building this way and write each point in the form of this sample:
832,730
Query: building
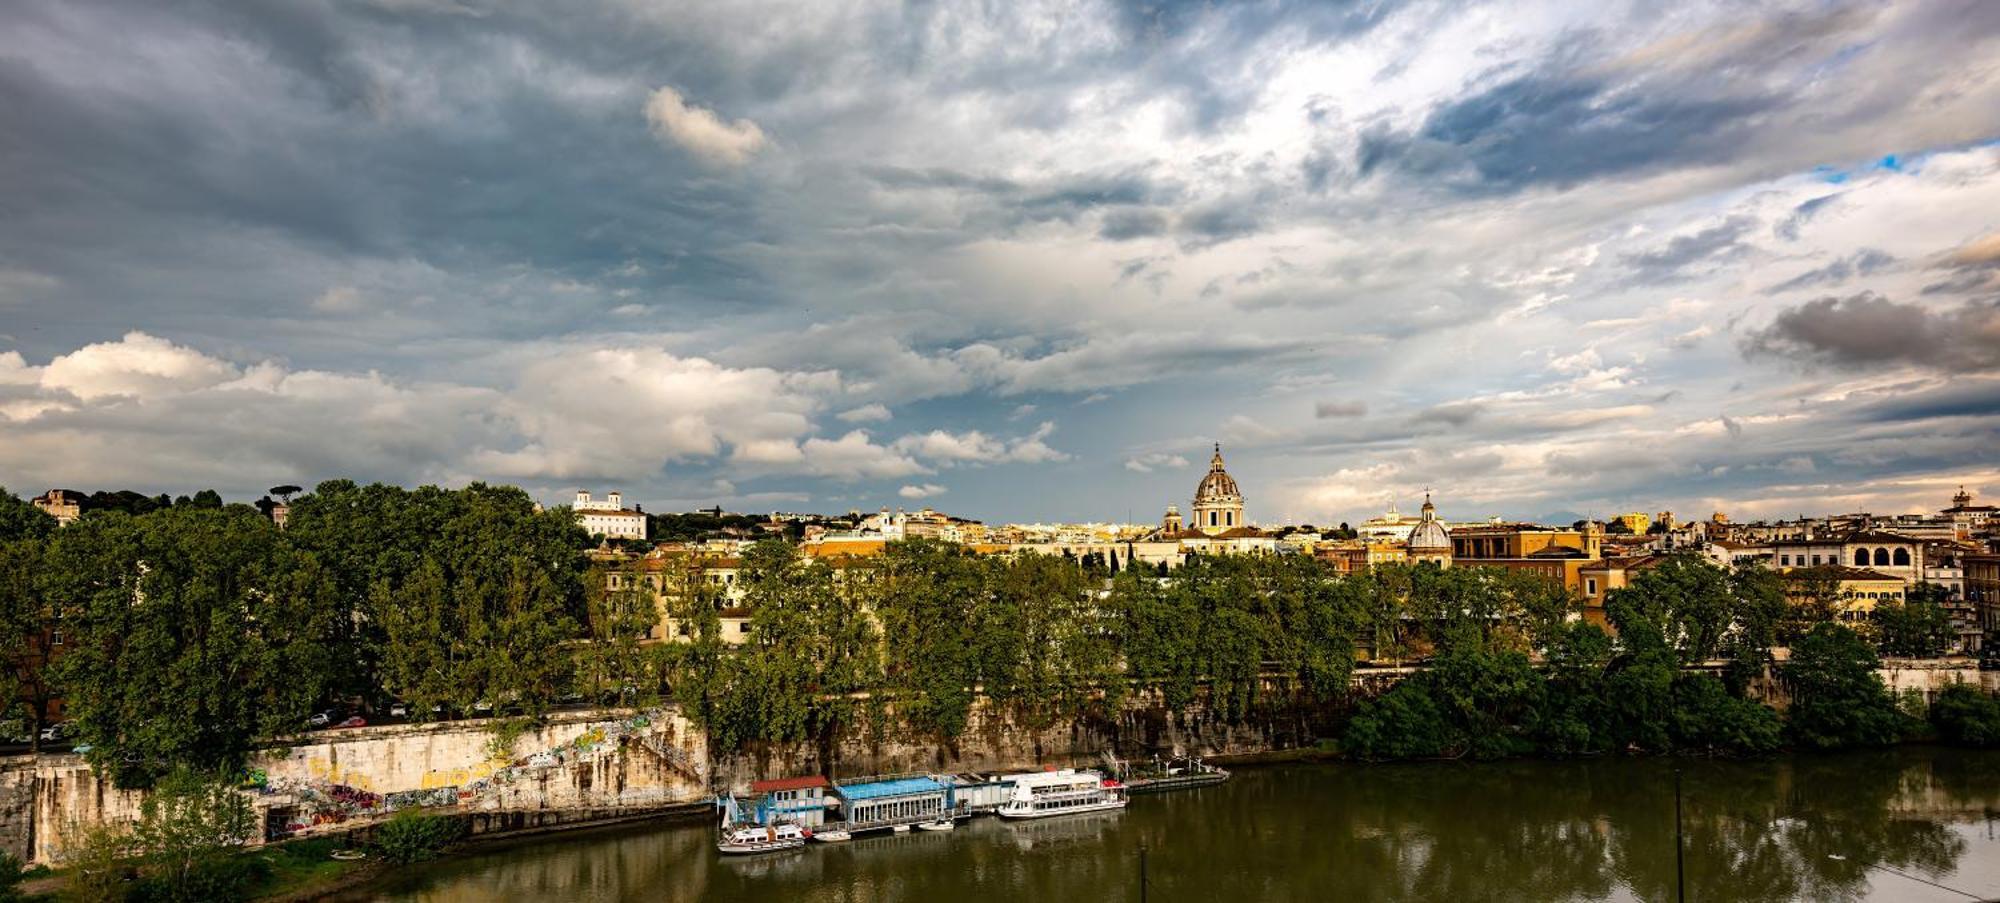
1982,586
1171,523
610,518
1556,554
1218,504
1971,519
898,801
62,504
1429,541
1635,522
801,801
1855,591
1600,578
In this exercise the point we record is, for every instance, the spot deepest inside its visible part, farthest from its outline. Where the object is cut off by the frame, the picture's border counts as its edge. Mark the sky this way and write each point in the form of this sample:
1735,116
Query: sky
1022,261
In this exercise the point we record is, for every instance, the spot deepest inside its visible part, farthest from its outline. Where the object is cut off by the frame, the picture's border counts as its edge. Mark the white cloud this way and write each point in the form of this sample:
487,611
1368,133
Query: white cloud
924,491
1151,461
975,447
700,131
138,366
868,413
854,456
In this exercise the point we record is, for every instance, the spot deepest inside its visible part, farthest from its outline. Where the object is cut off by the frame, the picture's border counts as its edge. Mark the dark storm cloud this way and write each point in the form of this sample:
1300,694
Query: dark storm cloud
1126,224
1963,397
1860,263
1870,330
1562,130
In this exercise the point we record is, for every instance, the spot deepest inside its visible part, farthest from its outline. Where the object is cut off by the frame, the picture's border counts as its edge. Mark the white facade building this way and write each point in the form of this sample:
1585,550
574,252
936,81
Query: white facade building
609,518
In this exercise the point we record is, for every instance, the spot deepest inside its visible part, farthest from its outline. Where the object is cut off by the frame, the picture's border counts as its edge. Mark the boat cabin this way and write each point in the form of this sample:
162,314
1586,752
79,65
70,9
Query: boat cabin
800,800
897,801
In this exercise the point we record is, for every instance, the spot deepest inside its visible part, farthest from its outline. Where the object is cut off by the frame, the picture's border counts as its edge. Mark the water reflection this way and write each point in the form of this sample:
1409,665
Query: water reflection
1808,828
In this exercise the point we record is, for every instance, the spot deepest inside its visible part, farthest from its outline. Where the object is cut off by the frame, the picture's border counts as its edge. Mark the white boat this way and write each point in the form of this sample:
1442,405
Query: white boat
834,836
901,829
1066,792
746,839
944,824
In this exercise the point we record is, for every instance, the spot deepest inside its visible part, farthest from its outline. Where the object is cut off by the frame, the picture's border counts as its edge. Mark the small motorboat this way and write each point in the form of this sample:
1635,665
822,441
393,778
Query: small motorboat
942,824
901,829
833,836
747,839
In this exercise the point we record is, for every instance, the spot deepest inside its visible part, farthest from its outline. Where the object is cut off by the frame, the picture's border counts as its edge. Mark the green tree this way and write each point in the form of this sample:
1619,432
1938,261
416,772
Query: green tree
21,520
1966,716
189,828
190,636
1838,698
1917,627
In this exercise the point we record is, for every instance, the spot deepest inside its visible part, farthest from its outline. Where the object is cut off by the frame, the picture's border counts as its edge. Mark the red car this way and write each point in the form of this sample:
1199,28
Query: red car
356,721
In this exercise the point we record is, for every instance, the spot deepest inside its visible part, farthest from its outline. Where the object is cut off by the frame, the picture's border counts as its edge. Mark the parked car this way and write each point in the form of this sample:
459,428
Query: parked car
399,709
56,732
322,719
355,721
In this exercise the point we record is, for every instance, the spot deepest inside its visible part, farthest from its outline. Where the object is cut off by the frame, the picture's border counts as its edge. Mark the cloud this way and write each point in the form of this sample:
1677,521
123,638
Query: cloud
1327,410
1862,263
923,491
867,413
853,457
136,366
1151,461
700,132
975,447
1870,330
1682,253
1451,414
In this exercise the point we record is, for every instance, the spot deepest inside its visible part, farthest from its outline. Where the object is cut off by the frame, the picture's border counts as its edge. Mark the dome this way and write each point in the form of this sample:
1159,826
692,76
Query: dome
1428,533
1217,484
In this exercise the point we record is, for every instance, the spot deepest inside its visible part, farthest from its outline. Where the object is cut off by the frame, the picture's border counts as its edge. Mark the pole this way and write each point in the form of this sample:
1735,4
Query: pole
1680,872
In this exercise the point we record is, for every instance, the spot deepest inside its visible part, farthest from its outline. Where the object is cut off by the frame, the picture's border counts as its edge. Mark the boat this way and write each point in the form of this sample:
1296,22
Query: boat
833,836
1066,792
943,824
901,829
743,840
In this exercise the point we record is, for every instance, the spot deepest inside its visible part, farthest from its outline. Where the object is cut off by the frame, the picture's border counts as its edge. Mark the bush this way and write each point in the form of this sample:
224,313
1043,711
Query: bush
412,836
1966,716
1839,700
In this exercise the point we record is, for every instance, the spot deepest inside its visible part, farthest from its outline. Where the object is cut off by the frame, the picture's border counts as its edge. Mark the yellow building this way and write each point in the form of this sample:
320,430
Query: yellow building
1855,591
1634,522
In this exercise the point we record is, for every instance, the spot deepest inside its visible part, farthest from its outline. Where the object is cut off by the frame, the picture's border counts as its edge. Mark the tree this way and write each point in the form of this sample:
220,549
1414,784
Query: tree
30,630
1917,627
21,520
1966,716
1838,698
188,828
190,636
1686,601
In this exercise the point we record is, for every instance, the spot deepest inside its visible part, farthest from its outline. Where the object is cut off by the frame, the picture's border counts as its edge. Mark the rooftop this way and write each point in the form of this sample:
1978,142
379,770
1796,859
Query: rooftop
897,787
798,783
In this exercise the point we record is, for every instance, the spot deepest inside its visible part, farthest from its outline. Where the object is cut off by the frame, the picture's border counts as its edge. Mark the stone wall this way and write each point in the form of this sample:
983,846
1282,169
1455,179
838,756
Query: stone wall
997,739
567,768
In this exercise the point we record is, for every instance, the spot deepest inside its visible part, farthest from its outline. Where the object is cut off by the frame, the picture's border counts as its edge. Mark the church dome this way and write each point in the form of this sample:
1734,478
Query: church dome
1428,533
1217,484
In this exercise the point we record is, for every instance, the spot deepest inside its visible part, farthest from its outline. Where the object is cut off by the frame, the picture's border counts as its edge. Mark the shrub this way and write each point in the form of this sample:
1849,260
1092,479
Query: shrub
1839,700
1966,716
412,836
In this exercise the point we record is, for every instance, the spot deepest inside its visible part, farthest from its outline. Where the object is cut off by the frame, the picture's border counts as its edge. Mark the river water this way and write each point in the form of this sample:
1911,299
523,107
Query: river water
1836,827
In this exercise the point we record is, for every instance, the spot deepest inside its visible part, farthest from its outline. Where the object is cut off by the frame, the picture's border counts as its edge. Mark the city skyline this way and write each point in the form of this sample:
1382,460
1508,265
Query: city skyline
1019,264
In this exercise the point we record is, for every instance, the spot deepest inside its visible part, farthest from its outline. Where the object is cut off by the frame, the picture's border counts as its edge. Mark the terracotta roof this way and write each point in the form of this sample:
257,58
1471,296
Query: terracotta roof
1879,536
1558,552
799,783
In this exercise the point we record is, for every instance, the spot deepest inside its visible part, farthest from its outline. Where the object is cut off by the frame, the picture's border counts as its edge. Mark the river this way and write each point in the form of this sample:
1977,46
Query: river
1834,827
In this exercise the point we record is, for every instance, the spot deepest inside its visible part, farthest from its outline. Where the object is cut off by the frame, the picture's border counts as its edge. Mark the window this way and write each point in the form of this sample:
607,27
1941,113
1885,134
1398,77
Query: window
1590,586
1903,557
1861,558
1785,560
1881,556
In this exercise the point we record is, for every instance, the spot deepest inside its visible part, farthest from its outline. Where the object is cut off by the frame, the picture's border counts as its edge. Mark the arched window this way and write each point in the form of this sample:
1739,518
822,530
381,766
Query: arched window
1861,558
1881,556
1903,557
